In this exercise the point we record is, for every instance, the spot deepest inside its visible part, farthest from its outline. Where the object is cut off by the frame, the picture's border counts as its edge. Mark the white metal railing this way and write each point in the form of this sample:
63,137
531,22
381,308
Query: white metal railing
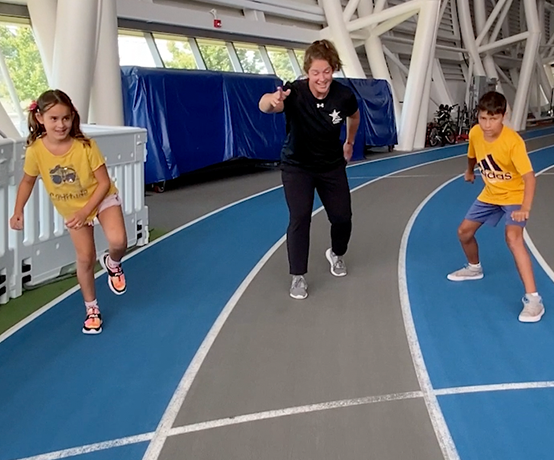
6,254
44,249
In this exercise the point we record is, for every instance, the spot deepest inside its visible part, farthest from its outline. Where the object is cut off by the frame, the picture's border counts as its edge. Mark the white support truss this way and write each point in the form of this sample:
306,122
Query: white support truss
373,21
495,49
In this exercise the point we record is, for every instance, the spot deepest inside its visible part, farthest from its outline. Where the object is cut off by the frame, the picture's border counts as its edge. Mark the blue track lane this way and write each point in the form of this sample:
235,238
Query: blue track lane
61,389
469,333
68,390
116,453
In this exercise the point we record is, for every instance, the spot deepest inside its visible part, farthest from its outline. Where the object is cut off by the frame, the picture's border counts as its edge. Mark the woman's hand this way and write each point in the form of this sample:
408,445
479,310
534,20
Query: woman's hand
348,150
279,96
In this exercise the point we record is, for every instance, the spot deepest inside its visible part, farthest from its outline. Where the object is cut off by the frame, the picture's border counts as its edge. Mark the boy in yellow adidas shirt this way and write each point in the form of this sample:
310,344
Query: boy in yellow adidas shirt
502,158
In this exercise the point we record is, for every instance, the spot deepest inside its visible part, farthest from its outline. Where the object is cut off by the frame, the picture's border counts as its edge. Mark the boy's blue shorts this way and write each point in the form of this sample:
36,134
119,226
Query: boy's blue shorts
490,214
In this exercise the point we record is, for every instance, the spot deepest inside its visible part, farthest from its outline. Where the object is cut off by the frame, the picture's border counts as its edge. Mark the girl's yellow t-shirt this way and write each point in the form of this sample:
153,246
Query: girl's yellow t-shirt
502,163
68,178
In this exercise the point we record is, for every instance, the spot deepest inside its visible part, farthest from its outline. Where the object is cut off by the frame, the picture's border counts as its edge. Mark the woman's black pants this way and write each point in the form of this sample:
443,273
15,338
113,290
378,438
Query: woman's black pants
333,190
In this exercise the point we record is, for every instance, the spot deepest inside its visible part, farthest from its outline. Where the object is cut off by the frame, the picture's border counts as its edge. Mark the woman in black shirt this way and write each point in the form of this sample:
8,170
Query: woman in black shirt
314,158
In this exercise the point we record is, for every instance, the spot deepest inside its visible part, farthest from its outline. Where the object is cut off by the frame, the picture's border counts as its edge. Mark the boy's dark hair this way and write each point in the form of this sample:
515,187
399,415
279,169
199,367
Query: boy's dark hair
46,101
325,50
493,103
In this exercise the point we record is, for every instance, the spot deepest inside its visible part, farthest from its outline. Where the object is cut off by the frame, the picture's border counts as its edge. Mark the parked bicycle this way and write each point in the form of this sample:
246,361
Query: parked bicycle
443,129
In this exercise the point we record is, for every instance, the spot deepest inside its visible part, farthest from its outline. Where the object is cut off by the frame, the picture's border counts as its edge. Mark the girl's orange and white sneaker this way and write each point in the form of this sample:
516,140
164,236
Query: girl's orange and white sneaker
116,278
93,321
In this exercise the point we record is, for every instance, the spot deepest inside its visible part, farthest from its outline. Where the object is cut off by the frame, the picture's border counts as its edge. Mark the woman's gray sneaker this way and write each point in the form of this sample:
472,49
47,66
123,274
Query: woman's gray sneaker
299,287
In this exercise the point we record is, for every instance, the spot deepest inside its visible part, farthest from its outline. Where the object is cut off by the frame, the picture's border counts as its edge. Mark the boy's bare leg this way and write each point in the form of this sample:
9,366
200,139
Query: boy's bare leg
466,235
516,244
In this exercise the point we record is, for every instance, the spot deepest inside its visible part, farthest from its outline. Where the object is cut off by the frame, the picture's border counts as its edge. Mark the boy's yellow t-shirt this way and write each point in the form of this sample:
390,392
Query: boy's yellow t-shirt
502,163
68,178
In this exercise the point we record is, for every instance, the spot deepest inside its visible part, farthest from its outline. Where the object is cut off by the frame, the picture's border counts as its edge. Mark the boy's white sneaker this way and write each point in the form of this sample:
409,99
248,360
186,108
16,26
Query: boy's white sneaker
533,309
466,273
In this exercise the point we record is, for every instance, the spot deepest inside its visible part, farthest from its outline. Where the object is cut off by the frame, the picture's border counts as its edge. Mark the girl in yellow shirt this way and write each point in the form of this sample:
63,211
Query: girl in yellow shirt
76,179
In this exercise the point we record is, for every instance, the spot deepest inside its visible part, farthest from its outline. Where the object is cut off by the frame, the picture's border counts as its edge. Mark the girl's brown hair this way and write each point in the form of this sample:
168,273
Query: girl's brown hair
324,50
45,102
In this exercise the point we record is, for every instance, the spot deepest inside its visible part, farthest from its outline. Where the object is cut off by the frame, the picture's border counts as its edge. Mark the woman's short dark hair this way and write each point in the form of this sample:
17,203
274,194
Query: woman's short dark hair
324,50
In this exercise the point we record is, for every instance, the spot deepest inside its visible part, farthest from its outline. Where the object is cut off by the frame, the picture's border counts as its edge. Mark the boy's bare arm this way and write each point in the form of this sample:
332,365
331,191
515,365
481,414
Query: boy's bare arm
528,195
469,175
529,190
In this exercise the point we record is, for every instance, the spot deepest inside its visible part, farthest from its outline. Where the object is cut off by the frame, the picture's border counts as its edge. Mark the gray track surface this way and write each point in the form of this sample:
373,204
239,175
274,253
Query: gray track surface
346,340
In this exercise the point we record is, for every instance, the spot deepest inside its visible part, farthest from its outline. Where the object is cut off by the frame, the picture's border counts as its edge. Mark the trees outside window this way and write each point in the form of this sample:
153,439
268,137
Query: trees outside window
281,63
250,58
23,61
133,50
176,53
215,55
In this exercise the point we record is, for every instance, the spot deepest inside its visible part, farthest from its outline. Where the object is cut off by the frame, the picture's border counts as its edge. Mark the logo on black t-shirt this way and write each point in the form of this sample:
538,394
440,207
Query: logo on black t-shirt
335,117
319,106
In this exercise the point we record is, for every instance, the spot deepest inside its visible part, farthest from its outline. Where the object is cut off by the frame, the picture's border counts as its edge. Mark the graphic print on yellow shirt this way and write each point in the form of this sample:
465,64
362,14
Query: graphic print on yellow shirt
502,163
68,178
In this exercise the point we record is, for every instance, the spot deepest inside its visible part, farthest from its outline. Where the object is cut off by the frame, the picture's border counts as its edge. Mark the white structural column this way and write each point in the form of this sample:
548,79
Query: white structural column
43,21
11,89
7,128
422,55
421,128
440,88
480,22
106,98
341,38
519,115
469,37
399,73
376,56
545,75
74,50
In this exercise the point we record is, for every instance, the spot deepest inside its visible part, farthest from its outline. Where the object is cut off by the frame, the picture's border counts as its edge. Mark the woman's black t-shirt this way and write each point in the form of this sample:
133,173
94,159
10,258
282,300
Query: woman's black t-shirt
314,125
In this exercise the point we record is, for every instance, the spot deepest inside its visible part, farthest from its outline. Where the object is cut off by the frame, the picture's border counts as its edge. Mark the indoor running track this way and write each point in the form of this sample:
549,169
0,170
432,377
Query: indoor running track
96,398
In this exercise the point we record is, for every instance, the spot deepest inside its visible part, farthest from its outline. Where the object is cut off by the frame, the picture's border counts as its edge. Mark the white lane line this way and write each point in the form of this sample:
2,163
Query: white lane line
402,176
190,374
531,245
21,324
437,419
494,387
168,418
92,447
293,411
150,436
137,251
170,414
278,413
66,294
